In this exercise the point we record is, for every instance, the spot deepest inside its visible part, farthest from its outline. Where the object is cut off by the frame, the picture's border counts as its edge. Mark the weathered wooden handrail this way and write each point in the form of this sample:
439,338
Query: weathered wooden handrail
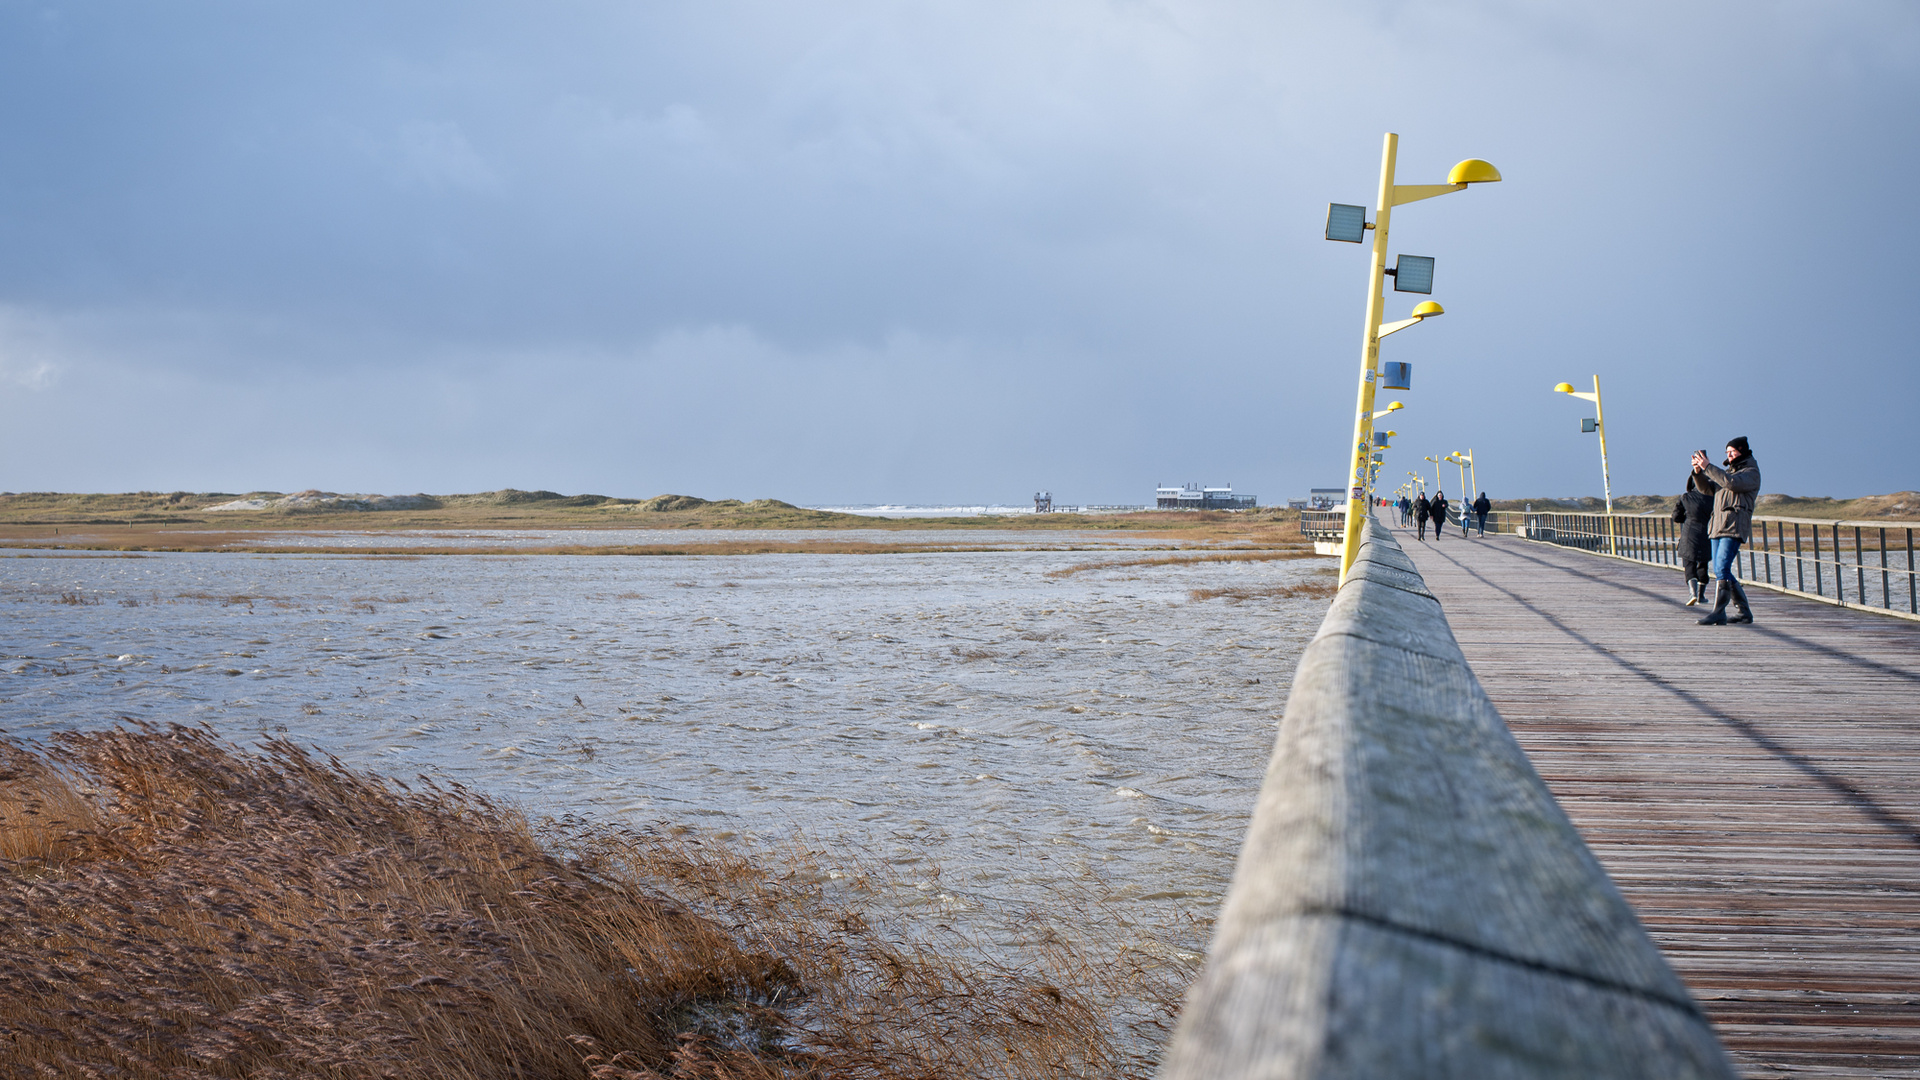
1410,901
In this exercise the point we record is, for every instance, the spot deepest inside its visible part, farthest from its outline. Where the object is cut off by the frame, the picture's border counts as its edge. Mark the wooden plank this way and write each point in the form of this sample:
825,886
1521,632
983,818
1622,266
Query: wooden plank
1410,901
1752,790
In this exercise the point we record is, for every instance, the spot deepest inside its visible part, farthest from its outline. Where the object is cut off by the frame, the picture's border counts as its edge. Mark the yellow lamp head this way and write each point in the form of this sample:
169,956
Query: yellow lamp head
1474,171
1393,406
1428,310
1563,388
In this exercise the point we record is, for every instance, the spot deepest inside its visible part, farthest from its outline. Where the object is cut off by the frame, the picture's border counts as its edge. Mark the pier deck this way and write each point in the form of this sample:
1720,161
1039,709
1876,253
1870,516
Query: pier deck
1754,790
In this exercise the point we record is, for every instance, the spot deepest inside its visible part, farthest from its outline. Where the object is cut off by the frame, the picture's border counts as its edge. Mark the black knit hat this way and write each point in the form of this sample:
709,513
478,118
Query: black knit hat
1739,442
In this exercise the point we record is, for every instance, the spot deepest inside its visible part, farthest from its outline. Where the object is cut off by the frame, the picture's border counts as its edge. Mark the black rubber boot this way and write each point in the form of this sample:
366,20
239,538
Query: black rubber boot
1720,595
1696,591
1744,614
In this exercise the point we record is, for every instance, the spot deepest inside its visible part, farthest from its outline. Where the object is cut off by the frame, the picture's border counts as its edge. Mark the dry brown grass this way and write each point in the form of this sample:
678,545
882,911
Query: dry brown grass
1319,590
1185,560
173,907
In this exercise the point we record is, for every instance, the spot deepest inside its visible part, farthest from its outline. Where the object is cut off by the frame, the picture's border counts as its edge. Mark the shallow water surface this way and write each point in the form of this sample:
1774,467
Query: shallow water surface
1020,730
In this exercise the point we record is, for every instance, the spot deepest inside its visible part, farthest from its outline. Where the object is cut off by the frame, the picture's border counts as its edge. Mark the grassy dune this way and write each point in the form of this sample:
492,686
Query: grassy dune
146,521
176,907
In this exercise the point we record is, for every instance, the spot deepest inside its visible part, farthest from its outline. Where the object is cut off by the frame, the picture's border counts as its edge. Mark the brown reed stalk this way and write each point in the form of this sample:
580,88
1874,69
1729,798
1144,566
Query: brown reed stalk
172,906
1186,560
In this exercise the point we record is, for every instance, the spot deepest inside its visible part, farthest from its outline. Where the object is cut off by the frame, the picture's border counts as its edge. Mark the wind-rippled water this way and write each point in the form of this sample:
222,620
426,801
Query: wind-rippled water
1019,729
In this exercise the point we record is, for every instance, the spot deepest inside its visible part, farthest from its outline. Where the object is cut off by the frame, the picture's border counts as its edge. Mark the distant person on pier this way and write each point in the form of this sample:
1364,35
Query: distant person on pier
1732,525
1437,510
1420,509
1694,512
1406,510
1480,507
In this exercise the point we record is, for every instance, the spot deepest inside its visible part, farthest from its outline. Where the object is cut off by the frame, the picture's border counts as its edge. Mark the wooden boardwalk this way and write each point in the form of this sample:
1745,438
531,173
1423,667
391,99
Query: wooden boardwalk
1754,790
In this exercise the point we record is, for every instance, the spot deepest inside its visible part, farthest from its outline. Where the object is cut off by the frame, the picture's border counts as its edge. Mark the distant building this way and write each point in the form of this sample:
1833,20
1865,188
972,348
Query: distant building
1326,498
1195,497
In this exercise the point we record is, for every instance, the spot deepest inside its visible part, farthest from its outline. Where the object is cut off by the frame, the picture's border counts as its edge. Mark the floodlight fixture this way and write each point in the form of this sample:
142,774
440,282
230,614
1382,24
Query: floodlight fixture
1413,273
1346,222
1589,425
1396,375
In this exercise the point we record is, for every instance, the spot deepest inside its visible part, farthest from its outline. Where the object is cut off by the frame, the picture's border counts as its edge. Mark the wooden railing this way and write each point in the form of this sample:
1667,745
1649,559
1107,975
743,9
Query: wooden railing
1410,901
1855,564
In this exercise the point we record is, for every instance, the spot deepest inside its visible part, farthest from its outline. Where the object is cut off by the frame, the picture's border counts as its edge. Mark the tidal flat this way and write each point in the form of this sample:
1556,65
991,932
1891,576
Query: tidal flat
1006,732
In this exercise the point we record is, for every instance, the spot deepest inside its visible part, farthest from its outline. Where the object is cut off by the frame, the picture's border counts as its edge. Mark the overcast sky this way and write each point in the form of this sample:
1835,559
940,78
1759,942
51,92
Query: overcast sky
944,251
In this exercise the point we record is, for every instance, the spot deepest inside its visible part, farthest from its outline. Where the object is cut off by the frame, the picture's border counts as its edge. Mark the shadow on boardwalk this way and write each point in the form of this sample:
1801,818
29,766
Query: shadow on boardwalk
1753,790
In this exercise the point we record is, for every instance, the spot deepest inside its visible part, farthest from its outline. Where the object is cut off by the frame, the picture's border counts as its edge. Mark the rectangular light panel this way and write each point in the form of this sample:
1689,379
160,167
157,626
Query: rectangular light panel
1396,375
1347,223
1589,425
1413,273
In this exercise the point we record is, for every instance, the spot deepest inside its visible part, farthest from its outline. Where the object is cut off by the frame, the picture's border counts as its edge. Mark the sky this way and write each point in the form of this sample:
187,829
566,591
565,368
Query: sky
944,251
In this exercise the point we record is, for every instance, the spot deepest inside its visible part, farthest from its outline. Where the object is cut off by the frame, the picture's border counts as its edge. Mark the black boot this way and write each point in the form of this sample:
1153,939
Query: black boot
1696,591
1720,595
1745,613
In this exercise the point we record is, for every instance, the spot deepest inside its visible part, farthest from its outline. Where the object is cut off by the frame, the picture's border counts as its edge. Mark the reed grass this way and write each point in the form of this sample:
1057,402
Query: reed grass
1185,560
1318,590
172,906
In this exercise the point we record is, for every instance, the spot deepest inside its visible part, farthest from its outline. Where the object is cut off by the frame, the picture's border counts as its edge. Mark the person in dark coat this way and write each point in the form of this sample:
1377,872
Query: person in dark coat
1437,510
1420,508
1481,506
1732,525
1693,511
1406,510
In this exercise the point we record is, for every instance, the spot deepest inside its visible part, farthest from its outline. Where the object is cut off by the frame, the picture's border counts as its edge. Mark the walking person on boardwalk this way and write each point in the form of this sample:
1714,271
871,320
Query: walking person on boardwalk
1481,506
1420,508
1694,511
1732,525
1437,510
1406,510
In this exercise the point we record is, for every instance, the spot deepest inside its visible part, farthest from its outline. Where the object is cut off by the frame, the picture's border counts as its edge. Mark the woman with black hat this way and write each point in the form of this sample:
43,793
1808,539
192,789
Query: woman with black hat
1739,486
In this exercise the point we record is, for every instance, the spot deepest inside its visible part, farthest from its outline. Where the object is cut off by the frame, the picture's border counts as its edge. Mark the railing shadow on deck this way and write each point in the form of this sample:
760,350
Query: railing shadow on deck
1798,556
1410,901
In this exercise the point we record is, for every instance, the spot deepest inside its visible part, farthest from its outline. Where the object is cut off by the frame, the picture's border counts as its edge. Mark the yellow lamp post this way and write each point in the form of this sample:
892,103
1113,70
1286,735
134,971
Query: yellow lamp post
1472,472
1600,427
1411,274
1461,462
1374,457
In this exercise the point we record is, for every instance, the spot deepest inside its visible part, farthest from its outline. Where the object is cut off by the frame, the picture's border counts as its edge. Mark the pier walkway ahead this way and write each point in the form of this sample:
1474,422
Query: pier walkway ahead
1754,790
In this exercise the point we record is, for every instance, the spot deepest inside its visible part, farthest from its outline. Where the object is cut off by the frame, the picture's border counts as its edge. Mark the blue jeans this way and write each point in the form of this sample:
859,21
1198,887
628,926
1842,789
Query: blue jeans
1726,557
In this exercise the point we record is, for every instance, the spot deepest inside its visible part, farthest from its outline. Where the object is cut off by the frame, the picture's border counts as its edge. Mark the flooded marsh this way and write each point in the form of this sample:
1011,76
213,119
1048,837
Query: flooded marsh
997,733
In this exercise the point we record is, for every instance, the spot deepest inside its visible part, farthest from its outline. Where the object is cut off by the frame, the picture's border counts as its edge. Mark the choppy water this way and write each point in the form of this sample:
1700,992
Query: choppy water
510,539
1019,729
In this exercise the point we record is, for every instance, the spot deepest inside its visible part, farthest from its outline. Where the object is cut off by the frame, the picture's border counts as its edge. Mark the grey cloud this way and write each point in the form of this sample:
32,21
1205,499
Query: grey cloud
1089,230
